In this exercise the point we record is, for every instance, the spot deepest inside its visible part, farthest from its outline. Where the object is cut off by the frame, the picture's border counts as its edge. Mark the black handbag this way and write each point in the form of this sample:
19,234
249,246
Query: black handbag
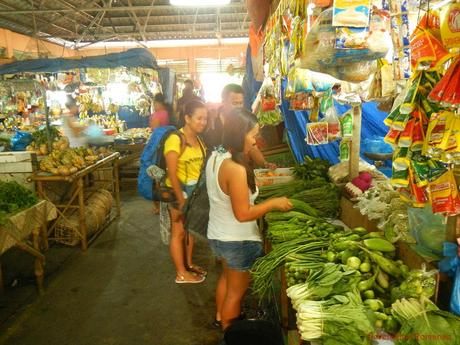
163,193
196,207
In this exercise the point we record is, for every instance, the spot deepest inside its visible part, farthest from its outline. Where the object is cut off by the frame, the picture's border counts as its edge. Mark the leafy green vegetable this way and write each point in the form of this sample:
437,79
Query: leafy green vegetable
13,198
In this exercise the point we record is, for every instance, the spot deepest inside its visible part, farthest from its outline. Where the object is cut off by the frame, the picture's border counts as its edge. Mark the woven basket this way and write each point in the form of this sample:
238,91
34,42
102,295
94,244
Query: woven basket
97,213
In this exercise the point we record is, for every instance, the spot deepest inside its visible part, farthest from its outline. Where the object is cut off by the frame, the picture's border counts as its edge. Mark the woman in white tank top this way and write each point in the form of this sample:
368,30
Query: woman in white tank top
232,229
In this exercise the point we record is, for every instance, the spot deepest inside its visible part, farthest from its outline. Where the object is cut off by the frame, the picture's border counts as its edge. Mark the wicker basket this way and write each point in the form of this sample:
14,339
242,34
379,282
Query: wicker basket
97,213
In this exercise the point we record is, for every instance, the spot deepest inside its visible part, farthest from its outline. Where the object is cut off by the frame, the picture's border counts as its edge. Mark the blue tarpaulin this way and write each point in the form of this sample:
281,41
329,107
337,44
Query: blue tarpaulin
295,122
372,125
136,57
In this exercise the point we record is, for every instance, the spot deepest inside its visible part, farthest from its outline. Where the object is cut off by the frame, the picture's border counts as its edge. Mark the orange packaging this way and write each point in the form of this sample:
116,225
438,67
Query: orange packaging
442,198
450,25
422,51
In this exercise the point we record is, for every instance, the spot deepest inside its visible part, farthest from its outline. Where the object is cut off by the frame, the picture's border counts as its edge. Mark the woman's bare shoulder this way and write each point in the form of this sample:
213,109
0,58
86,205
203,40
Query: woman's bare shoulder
233,169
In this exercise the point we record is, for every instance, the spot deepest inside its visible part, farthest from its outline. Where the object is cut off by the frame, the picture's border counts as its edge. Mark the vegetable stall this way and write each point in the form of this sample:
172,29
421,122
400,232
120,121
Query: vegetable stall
370,249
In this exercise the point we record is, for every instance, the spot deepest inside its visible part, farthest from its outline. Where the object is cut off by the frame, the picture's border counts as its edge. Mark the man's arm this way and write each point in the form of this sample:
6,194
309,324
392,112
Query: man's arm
259,160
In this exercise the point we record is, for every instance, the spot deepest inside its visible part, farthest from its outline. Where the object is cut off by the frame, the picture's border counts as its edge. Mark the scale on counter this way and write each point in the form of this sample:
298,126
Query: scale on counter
378,158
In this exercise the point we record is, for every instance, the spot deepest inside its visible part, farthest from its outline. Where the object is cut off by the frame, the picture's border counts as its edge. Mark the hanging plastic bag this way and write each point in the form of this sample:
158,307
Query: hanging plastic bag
353,65
451,265
21,140
428,229
265,106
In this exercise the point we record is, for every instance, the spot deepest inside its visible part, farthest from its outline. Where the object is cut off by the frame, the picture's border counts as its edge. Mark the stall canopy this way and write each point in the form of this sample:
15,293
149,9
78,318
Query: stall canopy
136,57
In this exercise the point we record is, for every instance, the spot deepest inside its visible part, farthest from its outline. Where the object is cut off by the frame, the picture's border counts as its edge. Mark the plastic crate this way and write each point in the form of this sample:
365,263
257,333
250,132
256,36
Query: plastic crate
265,177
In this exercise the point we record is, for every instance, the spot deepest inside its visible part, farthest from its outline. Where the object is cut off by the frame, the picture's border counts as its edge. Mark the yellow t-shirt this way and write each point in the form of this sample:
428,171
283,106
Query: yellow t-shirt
190,161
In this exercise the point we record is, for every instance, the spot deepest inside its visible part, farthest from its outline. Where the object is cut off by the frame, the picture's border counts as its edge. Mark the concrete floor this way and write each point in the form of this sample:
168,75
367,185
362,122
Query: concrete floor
121,291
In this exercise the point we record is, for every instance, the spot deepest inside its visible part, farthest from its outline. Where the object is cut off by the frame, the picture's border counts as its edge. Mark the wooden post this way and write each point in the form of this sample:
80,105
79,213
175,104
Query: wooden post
116,185
81,213
355,142
39,272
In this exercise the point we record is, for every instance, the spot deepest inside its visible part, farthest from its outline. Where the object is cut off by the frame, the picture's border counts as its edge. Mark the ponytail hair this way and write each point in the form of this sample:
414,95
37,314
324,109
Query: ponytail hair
237,125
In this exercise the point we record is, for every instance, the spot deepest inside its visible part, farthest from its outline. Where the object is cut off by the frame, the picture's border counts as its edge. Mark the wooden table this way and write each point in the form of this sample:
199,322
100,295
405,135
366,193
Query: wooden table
80,184
19,227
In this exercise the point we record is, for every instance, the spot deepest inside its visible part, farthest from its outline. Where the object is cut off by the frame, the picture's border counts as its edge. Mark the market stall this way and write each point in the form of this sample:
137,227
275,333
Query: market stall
87,209
371,270
24,216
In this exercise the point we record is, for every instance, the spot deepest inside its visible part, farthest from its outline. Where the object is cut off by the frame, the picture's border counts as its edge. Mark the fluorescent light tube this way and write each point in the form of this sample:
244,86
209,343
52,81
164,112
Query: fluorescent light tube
194,3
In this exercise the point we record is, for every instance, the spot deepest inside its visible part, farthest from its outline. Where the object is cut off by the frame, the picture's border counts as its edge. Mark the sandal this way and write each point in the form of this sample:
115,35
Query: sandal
197,269
180,279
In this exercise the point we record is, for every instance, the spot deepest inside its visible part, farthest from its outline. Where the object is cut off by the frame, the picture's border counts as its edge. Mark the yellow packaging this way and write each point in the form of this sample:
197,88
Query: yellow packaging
450,25
449,140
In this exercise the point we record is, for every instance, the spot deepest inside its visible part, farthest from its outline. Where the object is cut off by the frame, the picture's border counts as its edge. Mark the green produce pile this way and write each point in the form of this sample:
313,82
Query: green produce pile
312,186
325,199
302,220
312,168
40,136
14,198
346,284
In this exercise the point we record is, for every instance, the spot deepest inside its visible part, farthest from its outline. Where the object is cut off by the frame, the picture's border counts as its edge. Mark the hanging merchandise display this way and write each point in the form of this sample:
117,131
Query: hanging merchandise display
450,25
266,104
399,14
344,53
351,13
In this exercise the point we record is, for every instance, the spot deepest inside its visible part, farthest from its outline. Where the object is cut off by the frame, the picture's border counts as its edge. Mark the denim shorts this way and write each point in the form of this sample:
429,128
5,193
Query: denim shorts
239,255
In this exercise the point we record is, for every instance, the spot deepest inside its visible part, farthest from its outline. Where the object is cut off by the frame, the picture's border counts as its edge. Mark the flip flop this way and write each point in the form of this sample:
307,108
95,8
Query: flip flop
197,269
182,280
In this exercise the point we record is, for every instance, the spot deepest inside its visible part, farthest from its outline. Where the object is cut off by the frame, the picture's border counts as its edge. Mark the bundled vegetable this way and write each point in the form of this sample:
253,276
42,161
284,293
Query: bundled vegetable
266,266
418,283
423,323
326,199
14,198
340,320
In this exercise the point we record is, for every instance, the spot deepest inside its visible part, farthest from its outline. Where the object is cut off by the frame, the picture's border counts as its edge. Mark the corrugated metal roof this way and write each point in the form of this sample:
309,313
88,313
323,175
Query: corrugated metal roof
92,21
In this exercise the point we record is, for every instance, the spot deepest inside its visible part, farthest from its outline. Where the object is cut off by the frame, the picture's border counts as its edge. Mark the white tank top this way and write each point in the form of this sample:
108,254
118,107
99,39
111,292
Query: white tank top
223,225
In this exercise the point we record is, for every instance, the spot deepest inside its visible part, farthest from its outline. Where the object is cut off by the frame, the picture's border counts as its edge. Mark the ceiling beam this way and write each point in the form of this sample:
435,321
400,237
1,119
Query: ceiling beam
97,19
148,16
57,27
84,10
178,35
135,20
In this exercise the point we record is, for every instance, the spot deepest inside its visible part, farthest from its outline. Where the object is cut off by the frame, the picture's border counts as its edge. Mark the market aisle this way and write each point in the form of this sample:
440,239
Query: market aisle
121,291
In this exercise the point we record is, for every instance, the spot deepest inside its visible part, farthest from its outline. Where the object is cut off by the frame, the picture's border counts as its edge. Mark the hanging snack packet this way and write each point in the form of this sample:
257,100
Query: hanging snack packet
422,51
351,38
442,200
419,195
435,132
392,137
405,139
400,122
420,170
449,140
450,25
392,116
316,133
418,136
409,101
301,101
400,178
346,124
351,13
314,113
344,150
401,158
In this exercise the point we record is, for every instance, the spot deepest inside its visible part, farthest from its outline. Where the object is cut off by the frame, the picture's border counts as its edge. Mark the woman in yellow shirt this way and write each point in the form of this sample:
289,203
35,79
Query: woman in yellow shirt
183,163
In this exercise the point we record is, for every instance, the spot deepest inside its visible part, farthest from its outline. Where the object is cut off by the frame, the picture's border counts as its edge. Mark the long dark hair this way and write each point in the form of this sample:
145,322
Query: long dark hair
237,125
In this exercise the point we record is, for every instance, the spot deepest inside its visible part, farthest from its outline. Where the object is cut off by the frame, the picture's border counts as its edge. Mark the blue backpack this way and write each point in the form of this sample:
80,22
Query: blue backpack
153,155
